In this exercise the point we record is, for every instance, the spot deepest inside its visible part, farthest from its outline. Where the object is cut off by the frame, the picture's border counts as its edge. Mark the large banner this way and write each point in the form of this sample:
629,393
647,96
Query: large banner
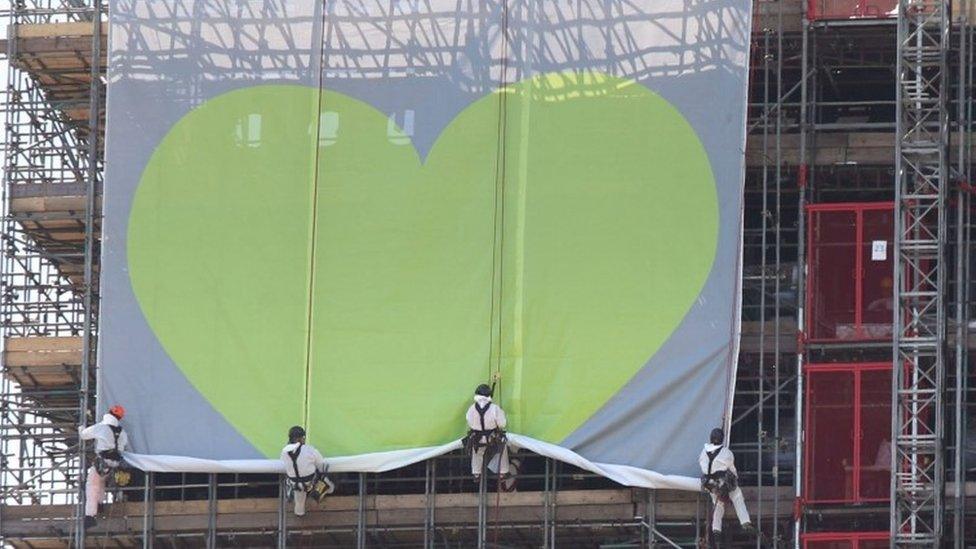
348,214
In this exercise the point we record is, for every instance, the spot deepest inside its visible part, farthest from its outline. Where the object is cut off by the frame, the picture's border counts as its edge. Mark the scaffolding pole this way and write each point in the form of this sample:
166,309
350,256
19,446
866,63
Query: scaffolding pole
801,287
88,299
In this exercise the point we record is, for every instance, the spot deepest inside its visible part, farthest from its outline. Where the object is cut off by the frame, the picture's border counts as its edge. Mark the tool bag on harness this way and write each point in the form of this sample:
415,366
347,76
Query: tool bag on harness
316,485
492,440
720,483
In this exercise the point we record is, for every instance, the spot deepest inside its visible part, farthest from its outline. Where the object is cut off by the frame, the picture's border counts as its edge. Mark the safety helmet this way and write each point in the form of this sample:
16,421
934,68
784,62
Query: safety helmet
295,433
483,390
117,411
717,436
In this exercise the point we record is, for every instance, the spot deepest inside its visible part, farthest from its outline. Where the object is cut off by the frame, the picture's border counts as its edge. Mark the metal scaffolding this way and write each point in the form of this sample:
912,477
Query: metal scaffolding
830,120
922,169
47,278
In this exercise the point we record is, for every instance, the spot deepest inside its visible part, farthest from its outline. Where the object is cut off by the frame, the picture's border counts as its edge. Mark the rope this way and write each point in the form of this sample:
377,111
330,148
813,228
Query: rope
498,248
315,199
500,177
498,244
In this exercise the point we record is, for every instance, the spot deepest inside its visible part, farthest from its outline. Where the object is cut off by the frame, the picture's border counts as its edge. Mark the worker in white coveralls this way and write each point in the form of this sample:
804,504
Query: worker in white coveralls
719,478
110,442
305,468
486,435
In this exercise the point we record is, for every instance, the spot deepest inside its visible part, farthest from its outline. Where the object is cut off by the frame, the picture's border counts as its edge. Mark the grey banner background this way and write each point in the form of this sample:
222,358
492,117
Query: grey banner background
168,56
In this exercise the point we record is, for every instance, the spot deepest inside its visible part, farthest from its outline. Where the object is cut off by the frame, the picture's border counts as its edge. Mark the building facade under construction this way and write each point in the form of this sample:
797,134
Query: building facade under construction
860,132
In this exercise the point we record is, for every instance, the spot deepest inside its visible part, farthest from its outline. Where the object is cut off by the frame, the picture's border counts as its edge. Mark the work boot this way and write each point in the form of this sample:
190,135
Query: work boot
748,528
90,522
714,540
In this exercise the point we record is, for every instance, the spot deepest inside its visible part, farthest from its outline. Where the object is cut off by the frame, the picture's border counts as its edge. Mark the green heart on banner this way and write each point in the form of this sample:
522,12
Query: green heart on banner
300,262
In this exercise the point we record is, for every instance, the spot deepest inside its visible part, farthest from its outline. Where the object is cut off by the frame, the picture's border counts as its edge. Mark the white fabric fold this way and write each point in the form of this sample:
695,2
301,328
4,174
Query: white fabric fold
379,462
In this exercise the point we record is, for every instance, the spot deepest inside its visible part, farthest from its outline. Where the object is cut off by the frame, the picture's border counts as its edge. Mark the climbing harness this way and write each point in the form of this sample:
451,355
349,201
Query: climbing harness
492,440
316,484
109,463
720,483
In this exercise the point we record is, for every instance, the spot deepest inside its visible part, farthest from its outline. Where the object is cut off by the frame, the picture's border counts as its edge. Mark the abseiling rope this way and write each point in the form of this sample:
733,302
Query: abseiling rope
315,194
498,243
500,181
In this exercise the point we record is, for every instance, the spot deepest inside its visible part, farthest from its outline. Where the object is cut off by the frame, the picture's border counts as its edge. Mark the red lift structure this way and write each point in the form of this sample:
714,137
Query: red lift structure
825,10
849,540
849,295
848,419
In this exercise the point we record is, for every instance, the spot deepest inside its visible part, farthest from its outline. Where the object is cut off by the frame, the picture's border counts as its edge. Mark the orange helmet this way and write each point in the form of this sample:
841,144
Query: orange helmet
117,411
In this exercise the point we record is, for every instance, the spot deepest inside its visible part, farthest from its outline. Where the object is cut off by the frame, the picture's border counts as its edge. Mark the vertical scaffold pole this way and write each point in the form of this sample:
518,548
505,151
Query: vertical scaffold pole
777,235
149,512
802,181
763,265
553,501
650,514
963,123
430,502
483,505
361,513
545,503
212,511
87,349
282,513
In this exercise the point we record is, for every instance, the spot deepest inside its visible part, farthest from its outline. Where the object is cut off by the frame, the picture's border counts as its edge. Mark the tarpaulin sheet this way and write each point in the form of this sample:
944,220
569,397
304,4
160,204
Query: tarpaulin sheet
348,214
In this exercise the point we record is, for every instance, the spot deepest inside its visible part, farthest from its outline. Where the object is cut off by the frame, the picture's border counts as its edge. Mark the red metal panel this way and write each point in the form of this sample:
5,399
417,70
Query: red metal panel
845,540
850,206
829,544
875,283
851,9
849,296
847,430
874,435
832,249
830,440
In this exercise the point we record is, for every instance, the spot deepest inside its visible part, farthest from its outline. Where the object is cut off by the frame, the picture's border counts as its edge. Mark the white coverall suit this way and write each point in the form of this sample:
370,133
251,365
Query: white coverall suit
724,461
309,461
494,419
104,439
